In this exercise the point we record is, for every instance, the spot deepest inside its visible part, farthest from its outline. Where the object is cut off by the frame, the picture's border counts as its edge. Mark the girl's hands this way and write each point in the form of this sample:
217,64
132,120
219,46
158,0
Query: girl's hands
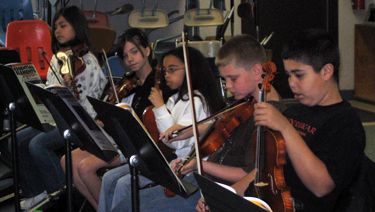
189,167
201,206
67,80
156,97
174,164
167,135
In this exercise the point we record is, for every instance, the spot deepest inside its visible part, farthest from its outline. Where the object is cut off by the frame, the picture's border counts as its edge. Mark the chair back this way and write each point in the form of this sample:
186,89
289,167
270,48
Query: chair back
116,65
32,40
96,18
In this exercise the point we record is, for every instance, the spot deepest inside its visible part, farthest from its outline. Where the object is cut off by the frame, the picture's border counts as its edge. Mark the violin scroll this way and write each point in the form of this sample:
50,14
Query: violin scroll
67,67
269,69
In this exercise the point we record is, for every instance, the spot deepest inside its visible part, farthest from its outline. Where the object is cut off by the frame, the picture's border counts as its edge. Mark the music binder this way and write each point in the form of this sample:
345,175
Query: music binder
133,139
220,199
29,109
69,114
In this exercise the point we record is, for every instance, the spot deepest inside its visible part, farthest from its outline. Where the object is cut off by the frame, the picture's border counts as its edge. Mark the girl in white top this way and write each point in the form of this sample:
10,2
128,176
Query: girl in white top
176,113
70,35
169,116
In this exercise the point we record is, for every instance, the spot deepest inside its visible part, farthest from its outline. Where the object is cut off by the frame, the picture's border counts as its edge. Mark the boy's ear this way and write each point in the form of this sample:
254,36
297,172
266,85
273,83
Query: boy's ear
258,70
327,71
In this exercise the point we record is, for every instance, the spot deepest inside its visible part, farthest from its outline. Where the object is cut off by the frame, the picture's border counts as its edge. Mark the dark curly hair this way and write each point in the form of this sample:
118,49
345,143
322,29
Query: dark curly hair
202,78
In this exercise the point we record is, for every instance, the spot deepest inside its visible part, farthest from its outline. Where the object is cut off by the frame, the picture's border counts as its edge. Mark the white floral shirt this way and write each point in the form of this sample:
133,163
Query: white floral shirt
90,82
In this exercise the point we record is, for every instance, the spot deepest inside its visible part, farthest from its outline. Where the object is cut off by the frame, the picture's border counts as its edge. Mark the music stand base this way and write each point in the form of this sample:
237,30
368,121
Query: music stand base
68,167
133,163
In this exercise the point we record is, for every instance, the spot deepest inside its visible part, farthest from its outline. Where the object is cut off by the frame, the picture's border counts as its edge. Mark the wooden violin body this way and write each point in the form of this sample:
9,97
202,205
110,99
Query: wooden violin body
225,122
123,88
270,184
224,125
148,119
270,151
71,65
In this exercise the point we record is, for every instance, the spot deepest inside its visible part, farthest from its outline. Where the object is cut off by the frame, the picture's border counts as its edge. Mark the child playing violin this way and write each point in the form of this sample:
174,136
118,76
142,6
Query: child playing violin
323,135
135,52
240,64
116,190
40,171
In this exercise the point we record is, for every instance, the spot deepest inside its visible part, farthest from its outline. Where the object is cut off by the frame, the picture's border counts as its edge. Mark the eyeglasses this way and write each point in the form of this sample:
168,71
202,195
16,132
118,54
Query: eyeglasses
172,69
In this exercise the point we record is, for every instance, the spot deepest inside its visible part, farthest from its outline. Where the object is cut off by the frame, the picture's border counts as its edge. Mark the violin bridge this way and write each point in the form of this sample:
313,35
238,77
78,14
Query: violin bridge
261,184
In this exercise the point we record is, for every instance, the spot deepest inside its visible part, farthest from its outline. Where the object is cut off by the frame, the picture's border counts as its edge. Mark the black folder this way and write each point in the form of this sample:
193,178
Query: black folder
220,199
133,139
69,114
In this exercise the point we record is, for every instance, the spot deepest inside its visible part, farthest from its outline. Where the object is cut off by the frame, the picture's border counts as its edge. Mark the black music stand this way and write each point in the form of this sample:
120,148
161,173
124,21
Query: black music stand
76,126
13,97
137,145
220,199
13,91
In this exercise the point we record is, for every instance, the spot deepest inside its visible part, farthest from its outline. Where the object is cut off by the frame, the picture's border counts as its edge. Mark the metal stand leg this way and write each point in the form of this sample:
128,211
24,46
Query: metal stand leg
12,108
68,167
133,163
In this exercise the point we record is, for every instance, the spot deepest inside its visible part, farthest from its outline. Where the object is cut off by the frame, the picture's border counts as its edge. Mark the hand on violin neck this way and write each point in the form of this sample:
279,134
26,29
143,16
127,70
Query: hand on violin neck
99,122
267,115
189,167
68,80
156,97
175,164
166,136
201,206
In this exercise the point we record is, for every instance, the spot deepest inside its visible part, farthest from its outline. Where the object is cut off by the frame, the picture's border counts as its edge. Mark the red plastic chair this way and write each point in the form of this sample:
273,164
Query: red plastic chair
32,40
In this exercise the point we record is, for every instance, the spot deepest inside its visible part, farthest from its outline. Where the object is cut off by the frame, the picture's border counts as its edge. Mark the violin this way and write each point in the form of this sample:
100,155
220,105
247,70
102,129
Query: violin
148,119
221,128
75,54
224,125
72,64
122,89
270,150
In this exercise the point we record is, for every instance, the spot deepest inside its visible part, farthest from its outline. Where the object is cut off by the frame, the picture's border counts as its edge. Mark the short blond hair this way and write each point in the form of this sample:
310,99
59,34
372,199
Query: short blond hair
241,50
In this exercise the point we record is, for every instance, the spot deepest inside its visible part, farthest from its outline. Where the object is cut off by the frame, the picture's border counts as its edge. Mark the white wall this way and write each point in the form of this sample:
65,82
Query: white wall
347,20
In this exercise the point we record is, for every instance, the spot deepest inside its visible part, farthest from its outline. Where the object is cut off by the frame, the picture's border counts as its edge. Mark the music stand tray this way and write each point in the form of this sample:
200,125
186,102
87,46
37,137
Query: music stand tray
220,199
69,114
133,139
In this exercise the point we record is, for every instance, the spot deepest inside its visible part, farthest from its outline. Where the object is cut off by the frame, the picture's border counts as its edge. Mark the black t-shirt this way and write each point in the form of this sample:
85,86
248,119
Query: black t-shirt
238,150
334,134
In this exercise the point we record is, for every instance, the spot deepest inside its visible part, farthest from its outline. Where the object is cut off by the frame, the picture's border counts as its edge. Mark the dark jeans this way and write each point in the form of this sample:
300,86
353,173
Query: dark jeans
38,162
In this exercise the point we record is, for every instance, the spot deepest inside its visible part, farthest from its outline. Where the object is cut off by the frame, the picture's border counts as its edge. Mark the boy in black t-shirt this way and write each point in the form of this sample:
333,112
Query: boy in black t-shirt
323,135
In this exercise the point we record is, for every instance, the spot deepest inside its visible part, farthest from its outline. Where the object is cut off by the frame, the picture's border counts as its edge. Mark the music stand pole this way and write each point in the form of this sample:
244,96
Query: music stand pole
68,166
133,163
12,109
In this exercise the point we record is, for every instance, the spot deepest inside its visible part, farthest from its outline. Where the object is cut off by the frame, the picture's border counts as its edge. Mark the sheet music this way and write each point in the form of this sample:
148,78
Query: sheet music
28,73
97,133
156,164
